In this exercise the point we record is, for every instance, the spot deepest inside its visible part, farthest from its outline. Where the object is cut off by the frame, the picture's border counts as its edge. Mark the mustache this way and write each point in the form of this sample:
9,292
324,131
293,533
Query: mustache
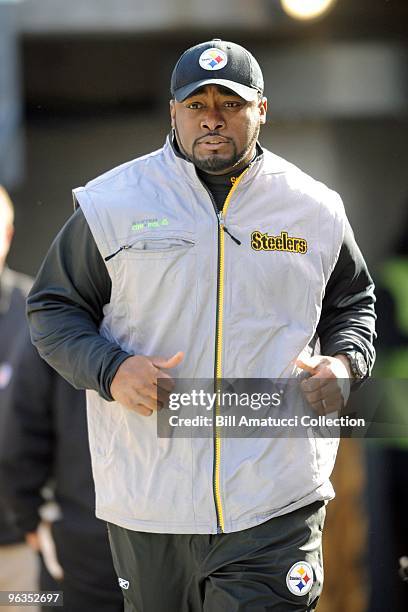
211,135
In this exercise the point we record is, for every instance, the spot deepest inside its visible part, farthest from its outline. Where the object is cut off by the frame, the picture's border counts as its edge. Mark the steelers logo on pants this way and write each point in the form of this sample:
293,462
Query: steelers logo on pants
299,578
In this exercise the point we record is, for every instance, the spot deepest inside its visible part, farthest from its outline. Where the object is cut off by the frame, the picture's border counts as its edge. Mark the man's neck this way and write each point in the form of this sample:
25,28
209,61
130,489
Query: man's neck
226,179
218,185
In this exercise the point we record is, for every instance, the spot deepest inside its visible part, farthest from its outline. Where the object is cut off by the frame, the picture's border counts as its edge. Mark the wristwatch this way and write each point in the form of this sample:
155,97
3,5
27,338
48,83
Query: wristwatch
358,364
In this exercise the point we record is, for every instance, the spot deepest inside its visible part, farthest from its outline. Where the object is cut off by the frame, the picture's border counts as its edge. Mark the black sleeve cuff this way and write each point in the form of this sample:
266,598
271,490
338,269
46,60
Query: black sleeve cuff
109,374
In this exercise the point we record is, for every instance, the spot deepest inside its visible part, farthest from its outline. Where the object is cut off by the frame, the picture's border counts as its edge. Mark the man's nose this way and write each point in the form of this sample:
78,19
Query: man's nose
213,120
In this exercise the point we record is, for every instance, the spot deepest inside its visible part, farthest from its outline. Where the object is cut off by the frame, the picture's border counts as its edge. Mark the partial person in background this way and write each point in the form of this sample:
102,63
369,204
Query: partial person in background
47,438
387,459
18,562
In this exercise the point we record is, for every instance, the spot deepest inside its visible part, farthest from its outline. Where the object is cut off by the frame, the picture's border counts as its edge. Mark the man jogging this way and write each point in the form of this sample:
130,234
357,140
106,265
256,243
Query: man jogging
209,258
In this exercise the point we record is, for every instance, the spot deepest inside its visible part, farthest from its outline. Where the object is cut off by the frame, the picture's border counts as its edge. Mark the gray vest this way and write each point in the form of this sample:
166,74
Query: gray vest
165,299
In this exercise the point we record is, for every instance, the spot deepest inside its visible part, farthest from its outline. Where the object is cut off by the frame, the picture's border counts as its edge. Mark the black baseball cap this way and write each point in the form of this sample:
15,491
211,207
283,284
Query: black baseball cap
217,62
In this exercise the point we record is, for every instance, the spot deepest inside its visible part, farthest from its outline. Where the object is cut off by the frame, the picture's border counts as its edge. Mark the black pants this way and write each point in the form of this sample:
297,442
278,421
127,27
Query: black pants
90,583
276,566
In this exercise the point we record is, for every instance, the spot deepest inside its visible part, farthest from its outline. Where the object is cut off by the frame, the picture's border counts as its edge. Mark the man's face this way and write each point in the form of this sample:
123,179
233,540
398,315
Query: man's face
217,129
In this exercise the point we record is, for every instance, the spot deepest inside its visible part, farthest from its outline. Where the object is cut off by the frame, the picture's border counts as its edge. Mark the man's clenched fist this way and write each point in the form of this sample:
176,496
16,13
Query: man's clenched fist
328,387
141,384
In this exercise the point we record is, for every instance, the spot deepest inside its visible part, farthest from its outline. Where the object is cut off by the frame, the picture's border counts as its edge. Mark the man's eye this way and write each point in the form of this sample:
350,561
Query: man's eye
233,104
194,105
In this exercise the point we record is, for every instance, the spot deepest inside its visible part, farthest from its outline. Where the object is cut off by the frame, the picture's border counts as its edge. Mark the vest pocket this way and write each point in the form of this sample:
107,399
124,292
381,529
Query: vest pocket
156,279
154,247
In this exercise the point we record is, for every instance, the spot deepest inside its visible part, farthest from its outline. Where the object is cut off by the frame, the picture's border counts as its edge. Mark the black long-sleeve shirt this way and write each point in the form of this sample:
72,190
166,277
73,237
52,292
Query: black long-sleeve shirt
14,288
66,303
46,437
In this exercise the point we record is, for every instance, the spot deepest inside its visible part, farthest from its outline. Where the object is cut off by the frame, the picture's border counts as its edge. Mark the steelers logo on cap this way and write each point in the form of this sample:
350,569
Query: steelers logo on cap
299,578
213,59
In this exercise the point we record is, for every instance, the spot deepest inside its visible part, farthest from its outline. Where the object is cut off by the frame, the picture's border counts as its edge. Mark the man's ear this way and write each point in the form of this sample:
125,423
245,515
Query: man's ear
172,113
263,107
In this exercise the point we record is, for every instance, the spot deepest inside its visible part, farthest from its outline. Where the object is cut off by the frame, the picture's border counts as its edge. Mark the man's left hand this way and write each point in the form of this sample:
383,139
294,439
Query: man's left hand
328,387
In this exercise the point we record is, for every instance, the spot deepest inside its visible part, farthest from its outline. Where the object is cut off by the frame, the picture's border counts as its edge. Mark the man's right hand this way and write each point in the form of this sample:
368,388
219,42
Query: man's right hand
140,382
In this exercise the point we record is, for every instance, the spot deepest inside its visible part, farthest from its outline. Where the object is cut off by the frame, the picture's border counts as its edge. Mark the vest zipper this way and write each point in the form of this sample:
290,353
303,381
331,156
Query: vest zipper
230,235
218,506
122,248
222,230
